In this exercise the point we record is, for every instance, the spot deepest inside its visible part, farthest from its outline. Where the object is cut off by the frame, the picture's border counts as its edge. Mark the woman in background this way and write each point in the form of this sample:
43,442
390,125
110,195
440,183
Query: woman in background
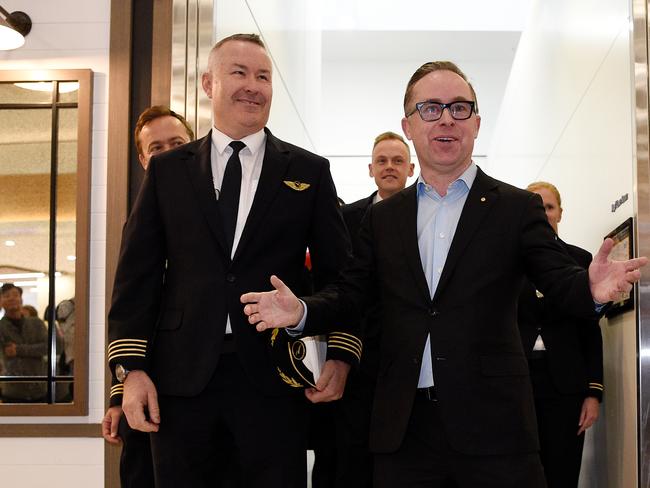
565,358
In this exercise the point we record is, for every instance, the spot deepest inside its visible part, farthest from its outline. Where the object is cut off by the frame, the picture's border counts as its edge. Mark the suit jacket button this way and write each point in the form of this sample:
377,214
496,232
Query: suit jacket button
433,312
230,278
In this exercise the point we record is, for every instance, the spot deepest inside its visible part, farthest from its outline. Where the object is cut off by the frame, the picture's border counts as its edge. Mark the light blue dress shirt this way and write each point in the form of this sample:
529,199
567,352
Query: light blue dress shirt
437,221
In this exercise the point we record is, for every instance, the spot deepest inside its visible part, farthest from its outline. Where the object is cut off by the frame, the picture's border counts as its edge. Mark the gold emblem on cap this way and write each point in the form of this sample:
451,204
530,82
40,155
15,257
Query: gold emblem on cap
292,382
539,294
297,185
274,334
298,350
482,199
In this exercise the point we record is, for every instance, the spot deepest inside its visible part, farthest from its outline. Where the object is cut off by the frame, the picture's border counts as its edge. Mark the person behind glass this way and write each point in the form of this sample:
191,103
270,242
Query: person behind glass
565,356
349,460
447,256
29,311
24,345
212,219
157,130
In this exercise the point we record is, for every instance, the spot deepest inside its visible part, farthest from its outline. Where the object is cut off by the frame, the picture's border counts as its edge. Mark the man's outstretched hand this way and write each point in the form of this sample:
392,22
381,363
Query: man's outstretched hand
611,280
273,309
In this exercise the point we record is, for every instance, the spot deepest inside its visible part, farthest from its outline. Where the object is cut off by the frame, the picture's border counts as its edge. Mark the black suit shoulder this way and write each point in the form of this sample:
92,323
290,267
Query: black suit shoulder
353,214
582,257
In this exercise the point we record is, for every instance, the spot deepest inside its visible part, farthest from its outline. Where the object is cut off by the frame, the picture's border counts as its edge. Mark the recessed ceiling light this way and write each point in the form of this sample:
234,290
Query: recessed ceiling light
46,86
57,273
71,258
19,276
10,243
25,284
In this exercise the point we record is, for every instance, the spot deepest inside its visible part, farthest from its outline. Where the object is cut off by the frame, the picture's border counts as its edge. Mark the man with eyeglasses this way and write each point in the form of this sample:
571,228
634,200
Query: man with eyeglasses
453,403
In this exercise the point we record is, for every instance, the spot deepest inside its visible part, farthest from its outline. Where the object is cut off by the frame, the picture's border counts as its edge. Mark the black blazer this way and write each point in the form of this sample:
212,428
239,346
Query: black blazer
480,370
574,347
353,215
175,282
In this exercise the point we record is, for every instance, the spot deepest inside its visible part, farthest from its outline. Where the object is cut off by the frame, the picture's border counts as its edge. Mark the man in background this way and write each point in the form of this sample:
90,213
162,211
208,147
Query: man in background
157,130
24,345
160,129
343,458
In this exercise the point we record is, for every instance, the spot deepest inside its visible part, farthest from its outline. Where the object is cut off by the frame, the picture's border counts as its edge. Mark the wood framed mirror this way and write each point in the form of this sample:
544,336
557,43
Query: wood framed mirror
45,161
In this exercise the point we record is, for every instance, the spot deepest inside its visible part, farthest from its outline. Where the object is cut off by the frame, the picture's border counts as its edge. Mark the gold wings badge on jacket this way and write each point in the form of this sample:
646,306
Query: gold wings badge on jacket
297,185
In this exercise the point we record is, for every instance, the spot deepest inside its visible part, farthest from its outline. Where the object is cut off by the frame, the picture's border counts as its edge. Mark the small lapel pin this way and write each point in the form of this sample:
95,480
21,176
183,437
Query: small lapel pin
296,185
482,199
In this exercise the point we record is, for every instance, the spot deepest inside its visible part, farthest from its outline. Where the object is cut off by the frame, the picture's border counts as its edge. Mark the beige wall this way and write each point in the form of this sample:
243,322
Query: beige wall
567,118
69,34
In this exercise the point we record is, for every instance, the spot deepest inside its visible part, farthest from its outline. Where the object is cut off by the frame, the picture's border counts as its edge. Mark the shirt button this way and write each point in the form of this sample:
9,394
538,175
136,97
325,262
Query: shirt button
230,278
439,270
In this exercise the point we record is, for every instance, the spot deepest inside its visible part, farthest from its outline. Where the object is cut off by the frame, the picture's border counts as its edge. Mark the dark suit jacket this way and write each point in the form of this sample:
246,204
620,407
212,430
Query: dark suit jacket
353,215
574,347
480,370
175,283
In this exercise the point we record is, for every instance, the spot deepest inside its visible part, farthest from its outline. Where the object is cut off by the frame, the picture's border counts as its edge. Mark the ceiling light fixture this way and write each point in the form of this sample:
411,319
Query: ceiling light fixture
46,86
21,276
14,27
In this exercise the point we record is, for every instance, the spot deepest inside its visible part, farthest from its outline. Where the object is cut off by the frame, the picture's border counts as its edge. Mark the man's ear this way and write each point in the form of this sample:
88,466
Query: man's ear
406,128
370,170
206,83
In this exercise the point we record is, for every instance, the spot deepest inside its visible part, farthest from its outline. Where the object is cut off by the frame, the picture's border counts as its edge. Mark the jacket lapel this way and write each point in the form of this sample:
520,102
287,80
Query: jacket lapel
274,168
480,199
407,216
199,168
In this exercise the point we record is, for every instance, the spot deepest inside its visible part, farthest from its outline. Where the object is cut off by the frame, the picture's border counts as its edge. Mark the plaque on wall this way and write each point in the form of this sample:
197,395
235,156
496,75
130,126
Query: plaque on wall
623,249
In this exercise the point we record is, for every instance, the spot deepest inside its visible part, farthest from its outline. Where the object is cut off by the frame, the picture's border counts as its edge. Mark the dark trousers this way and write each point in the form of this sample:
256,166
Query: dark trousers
268,433
557,424
426,460
136,466
342,457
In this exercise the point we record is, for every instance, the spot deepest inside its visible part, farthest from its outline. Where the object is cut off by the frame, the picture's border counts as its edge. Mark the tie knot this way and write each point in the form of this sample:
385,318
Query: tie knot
237,146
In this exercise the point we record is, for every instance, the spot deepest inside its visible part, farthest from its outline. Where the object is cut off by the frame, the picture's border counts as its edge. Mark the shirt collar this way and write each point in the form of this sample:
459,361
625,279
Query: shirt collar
468,177
253,141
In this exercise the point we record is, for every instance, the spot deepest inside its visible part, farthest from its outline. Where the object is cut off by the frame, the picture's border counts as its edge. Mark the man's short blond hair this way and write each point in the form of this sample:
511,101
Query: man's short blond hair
388,136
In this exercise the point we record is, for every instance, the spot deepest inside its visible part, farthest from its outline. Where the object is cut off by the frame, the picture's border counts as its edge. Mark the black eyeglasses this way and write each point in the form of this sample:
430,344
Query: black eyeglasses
430,111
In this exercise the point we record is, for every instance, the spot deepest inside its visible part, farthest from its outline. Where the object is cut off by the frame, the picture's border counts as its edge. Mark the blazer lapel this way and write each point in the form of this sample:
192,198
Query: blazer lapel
274,167
199,167
480,199
407,216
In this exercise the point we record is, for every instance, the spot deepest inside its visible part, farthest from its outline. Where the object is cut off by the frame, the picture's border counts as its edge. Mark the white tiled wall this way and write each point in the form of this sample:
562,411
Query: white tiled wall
69,34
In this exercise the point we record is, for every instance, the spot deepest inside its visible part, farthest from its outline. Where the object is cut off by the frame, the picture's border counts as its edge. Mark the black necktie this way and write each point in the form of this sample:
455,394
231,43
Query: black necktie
229,196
